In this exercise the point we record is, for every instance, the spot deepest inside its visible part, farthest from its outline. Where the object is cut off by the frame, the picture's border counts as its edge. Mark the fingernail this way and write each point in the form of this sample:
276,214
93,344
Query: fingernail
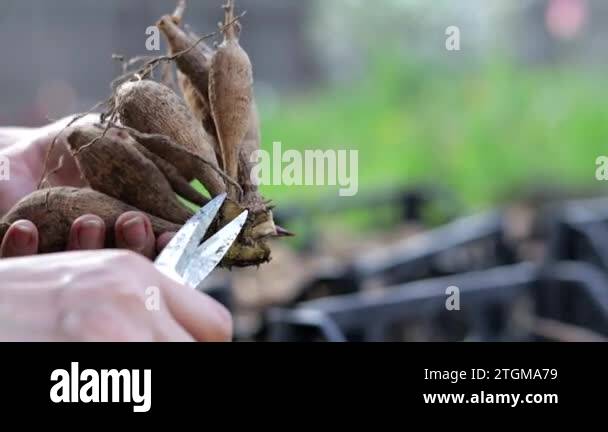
22,235
134,233
89,233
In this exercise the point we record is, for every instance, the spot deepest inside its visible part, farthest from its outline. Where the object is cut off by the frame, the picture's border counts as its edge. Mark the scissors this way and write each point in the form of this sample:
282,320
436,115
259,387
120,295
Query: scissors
189,262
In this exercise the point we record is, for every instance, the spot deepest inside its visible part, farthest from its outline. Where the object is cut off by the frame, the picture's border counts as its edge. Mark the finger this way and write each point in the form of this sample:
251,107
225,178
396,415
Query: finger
163,240
88,232
204,318
21,239
134,232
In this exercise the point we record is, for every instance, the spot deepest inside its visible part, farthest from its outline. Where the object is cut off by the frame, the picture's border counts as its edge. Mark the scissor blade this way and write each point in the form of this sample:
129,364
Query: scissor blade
178,253
211,253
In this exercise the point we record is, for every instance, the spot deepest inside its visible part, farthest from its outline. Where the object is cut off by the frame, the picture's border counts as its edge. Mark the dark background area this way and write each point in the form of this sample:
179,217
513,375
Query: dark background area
57,54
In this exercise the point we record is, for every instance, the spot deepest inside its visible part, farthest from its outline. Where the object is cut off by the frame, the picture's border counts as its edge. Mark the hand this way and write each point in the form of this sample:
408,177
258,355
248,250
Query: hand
26,151
102,296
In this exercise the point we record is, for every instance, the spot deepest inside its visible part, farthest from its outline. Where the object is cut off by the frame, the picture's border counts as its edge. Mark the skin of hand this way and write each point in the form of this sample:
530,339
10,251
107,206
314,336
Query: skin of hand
26,149
109,295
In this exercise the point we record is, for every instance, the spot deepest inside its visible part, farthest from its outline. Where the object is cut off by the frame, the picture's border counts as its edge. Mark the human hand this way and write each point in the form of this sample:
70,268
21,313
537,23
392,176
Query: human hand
103,296
26,150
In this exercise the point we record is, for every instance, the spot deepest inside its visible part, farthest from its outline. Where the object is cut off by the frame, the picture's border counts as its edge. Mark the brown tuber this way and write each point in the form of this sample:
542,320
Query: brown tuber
193,70
54,210
230,92
225,84
114,166
153,108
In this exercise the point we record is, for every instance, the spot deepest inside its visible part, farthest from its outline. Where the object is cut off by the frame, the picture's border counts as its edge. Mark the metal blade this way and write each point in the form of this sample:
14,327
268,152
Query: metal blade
178,253
210,253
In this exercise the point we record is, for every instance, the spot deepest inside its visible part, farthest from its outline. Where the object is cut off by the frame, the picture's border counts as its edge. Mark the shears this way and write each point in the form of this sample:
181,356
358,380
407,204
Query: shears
189,262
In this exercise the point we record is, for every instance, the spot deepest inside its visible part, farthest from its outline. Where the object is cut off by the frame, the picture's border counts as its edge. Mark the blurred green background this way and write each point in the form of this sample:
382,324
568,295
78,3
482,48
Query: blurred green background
522,104
480,133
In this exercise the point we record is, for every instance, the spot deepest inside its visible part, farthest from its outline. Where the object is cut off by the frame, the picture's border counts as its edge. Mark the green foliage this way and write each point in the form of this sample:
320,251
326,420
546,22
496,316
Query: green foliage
480,132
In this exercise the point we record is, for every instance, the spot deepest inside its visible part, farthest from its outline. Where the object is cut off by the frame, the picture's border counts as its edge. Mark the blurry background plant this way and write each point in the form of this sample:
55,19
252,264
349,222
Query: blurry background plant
522,102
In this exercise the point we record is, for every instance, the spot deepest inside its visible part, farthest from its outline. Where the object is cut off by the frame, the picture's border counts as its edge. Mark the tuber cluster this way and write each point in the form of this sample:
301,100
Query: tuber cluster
151,144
